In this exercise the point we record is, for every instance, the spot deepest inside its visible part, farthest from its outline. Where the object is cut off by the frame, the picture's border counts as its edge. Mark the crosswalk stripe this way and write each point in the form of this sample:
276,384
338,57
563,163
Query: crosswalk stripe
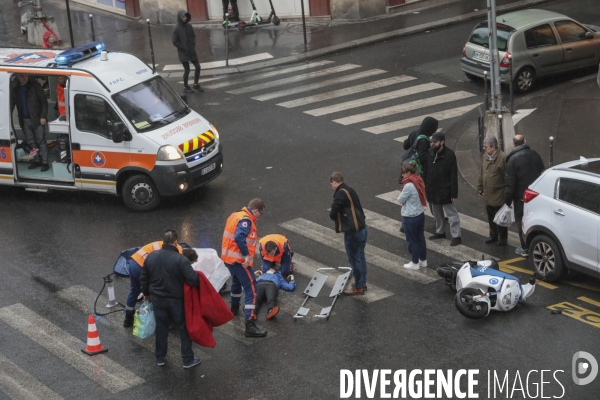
318,85
217,64
416,121
236,327
346,91
82,298
317,112
466,222
101,369
401,108
441,246
277,72
375,256
307,267
292,79
18,384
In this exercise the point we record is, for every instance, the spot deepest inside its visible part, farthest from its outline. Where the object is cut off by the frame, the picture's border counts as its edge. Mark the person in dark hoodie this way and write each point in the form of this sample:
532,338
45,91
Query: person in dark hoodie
427,128
184,39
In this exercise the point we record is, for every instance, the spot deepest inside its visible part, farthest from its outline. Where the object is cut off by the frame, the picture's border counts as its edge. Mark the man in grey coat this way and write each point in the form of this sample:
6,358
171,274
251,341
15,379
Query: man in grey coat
490,187
184,38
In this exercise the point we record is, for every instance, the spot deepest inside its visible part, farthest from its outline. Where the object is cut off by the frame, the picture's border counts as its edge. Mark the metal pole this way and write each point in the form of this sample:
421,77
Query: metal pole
151,46
227,39
303,24
551,152
93,33
70,26
510,85
485,88
500,132
494,58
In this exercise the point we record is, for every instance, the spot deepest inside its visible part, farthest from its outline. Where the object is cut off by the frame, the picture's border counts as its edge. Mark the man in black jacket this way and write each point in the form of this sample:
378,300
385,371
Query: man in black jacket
427,128
523,167
184,38
355,232
441,187
162,280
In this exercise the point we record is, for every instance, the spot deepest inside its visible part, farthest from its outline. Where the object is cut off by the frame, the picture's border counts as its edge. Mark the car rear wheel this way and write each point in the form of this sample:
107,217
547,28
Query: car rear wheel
523,81
472,77
546,259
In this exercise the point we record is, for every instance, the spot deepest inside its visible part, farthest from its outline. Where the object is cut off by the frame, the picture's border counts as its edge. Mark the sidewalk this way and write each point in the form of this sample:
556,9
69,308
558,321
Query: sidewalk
274,45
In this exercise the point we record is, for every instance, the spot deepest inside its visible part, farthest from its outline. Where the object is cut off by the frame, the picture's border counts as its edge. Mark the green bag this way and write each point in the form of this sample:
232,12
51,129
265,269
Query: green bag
412,155
144,323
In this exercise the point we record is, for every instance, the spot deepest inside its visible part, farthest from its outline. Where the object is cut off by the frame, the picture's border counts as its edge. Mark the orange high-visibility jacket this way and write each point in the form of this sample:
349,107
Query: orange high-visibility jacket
230,252
279,240
60,100
140,256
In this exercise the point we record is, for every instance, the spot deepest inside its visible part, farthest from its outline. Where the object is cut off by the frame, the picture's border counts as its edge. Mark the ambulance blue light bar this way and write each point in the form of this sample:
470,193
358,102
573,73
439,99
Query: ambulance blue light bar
79,53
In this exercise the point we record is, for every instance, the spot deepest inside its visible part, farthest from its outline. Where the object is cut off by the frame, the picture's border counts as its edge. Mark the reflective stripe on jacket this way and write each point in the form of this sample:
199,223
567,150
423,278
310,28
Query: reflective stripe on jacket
140,256
279,240
230,251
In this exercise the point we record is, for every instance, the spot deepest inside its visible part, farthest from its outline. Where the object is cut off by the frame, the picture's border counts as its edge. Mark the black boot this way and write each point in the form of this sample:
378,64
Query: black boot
234,309
128,323
253,331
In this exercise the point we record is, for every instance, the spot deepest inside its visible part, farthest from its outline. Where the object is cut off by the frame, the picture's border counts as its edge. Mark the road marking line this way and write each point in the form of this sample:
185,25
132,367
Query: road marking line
510,269
307,267
346,91
218,64
375,256
236,328
82,298
396,94
268,74
292,79
590,301
101,369
579,313
401,108
520,114
18,384
416,121
582,285
466,222
318,85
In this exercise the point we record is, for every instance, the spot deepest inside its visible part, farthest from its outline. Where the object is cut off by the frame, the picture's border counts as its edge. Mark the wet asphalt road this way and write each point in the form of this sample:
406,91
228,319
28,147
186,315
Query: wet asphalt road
58,241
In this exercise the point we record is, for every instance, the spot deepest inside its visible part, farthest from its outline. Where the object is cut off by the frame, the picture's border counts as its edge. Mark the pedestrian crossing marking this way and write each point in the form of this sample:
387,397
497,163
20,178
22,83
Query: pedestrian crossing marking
292,79
307,267
82,298
347,91
318,85
416,121
466,222
219,64
63,345
401,108
271,74
317,112
236,328
375,256
18,384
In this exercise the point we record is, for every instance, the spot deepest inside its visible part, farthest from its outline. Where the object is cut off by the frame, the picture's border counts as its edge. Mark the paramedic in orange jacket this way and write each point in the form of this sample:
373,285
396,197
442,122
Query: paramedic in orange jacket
135,271
61,83
275,249
237,252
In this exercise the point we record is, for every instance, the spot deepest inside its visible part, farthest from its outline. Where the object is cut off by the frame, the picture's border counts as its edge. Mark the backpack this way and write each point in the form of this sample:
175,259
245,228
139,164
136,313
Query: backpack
412,155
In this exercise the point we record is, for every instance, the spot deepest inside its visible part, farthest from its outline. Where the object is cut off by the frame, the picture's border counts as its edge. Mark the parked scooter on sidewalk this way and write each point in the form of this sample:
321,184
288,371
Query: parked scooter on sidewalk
483,287
256,19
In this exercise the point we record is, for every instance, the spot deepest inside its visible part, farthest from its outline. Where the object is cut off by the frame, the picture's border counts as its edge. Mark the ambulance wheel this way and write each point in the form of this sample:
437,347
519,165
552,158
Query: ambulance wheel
469,308
276,21
140,193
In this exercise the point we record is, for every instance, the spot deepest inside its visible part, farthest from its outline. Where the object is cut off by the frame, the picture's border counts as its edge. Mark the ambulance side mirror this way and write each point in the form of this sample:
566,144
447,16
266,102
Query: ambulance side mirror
120,133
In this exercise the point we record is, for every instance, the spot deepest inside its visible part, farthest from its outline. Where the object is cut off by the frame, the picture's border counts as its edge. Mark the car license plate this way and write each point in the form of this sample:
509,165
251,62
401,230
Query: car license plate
480,56
206,170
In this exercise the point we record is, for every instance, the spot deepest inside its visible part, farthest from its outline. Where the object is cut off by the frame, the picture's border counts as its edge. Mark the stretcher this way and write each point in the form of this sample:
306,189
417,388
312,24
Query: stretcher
314,287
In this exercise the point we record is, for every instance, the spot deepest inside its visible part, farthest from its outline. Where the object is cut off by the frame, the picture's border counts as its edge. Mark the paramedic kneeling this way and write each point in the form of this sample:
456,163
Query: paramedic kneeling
164,273
275,249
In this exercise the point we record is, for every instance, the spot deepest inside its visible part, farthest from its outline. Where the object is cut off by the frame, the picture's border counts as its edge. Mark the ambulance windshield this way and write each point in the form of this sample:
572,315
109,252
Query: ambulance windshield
151,104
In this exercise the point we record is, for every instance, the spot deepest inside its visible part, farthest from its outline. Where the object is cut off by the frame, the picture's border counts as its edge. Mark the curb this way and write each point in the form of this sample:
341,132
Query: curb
372,39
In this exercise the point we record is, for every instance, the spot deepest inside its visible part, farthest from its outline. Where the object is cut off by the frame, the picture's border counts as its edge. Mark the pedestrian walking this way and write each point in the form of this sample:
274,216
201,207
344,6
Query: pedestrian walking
237,252
441,184
523,167
412,200
164,273
490,187
349,218
184,38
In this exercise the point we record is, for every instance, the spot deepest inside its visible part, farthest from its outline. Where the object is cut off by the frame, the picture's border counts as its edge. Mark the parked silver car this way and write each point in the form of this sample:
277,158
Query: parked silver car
539,43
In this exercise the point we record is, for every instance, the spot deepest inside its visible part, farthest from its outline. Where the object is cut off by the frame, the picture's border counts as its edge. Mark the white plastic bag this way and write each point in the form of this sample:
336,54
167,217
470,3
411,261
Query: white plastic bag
213,268
505,216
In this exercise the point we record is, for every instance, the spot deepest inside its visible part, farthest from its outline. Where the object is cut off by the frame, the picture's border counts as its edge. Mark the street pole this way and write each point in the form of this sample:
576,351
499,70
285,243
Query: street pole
551,152
226,39
303,24
494,58
93,33
151,46
70,25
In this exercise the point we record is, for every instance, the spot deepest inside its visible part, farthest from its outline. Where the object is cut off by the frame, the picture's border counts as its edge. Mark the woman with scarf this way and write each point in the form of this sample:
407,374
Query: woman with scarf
412,200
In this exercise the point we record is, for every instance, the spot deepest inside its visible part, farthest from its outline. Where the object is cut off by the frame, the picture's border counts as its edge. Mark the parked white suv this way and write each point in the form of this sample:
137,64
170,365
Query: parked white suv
561,220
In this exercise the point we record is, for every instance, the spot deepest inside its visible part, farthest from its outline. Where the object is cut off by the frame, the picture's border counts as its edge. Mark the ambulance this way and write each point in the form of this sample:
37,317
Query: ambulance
125,132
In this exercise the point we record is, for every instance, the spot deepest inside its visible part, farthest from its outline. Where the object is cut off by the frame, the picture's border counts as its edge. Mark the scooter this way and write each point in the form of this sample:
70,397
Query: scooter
482,287
256,19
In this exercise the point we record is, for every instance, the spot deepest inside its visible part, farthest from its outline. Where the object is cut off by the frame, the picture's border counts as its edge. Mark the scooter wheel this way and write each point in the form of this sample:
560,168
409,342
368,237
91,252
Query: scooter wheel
276,21
241,26
469,308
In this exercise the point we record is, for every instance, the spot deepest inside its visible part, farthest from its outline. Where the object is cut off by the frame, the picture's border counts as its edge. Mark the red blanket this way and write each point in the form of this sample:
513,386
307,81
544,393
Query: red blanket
204,310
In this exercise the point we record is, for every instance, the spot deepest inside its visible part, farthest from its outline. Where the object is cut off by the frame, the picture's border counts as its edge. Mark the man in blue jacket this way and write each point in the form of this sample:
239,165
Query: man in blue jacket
268,284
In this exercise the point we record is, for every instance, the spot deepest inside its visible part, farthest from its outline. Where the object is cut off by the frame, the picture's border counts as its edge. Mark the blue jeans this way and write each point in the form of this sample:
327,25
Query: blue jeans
414,229
243,277
165,307
135,271
355,243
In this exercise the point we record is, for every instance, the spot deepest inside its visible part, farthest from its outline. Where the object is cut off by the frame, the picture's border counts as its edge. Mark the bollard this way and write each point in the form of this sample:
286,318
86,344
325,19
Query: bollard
226,39
481,129
151,46
500,133
485,90
551,151
510,83
111,292
92,24
303,24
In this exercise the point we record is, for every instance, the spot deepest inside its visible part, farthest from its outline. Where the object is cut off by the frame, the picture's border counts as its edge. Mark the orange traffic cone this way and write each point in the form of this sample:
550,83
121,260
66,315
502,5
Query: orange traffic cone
93,340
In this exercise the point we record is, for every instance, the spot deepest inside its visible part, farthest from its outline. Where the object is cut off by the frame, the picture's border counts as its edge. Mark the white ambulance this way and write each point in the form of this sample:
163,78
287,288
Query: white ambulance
126,132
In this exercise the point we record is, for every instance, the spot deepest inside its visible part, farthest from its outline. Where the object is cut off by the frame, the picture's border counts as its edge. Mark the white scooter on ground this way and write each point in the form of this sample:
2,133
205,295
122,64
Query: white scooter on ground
481,287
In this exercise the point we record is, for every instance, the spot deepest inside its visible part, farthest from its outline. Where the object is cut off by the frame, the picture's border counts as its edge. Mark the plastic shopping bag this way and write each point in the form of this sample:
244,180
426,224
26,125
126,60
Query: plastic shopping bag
144,323
505,216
